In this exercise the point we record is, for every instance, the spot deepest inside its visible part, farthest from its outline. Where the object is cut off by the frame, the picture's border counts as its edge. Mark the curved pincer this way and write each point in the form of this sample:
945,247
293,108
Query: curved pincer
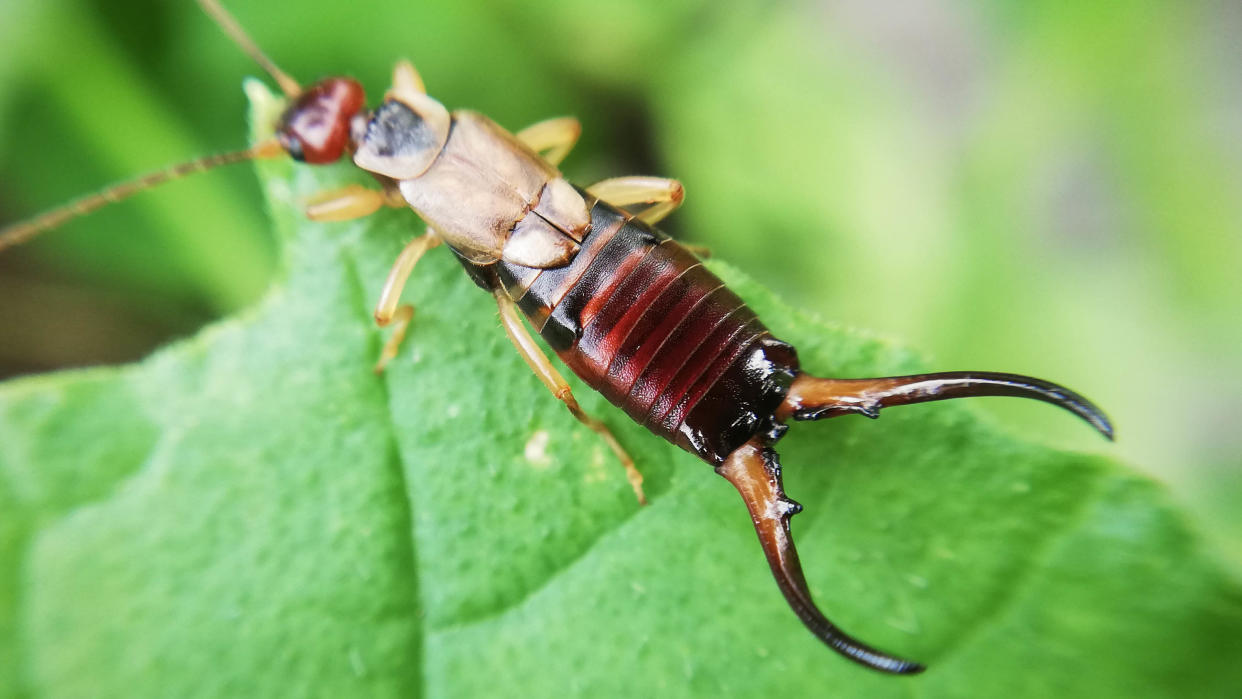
754,470
815,398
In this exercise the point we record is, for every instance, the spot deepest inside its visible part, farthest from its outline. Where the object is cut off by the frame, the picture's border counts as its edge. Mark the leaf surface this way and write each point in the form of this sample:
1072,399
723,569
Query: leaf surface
253,512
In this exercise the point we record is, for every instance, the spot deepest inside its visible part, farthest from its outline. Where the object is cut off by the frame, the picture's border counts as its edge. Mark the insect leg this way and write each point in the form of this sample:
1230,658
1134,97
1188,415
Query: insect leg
552,138
405,78
538,363
813,398
663,195
348,203
756,473
388,311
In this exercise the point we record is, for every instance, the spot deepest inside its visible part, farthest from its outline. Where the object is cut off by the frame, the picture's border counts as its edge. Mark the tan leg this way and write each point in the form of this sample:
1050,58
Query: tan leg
388,311
552,138
406,78
538,363
407,84
663,195
348,203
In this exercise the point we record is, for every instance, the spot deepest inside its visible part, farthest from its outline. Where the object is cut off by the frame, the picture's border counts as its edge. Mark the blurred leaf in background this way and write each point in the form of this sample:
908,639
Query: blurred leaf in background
1043,187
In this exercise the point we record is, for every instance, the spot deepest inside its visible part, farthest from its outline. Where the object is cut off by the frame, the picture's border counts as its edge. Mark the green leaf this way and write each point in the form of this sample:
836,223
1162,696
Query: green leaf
253,512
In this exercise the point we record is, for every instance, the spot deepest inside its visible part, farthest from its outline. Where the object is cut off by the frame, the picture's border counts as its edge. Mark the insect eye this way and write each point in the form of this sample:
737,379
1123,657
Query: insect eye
292,145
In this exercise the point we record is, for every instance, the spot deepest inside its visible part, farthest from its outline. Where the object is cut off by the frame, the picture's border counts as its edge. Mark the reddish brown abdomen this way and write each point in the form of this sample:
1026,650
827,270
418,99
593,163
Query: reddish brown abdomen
640,319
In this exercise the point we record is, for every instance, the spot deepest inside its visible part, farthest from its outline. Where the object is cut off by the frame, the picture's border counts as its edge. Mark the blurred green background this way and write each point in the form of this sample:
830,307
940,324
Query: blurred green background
1049,188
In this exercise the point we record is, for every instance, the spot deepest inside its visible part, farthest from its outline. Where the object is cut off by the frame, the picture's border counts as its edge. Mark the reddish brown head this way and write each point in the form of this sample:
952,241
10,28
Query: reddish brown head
315,128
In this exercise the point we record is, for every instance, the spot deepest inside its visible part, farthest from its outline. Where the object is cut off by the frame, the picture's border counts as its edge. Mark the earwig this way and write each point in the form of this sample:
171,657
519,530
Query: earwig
630,311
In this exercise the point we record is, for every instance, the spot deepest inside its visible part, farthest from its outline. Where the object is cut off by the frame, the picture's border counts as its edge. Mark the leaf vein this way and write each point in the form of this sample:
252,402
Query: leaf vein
404,496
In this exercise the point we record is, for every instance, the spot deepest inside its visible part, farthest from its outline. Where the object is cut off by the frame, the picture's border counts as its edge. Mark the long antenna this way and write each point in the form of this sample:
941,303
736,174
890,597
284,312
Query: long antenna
25,230
239,36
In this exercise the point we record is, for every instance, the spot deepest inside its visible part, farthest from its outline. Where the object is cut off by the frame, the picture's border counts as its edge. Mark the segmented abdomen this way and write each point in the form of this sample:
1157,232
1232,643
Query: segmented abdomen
641,320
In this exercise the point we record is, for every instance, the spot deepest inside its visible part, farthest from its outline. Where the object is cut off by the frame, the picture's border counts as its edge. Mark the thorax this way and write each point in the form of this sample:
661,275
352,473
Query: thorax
485,186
